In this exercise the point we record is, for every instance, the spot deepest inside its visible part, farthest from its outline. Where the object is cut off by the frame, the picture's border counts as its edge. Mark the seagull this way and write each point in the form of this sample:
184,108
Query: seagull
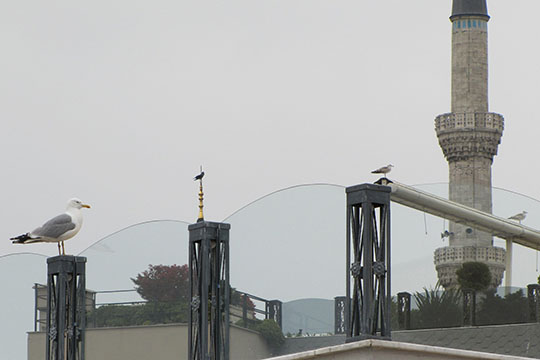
57,229
383,170
519,217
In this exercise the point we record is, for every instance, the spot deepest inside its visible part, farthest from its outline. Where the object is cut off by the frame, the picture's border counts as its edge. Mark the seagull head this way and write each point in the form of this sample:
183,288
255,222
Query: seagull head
77,204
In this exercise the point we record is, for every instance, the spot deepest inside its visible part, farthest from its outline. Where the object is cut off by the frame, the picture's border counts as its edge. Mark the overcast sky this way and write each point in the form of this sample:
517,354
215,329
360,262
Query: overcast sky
119,103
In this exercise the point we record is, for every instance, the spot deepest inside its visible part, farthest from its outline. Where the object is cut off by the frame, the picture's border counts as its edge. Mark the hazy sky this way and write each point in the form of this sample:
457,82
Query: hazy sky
118,103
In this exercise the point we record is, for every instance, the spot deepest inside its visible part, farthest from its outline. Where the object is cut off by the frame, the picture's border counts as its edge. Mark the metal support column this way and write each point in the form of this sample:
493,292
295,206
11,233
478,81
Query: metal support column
273,311
368,298
66,310
404,310
208,334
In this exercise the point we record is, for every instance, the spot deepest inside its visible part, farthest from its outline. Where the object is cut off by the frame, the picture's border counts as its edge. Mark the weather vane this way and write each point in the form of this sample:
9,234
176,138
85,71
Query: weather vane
201,195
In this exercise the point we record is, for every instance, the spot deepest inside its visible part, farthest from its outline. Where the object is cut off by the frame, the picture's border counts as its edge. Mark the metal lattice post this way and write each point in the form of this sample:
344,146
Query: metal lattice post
404,310
368,298
340,315
208,334
66,310
273,311
469,307
533,295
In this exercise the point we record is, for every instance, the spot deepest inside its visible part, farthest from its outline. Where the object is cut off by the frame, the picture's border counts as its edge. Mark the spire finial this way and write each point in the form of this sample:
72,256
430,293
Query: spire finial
201,194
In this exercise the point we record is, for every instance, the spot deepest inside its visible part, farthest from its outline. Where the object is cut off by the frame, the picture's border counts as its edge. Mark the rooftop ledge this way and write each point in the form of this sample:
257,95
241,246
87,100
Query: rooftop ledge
389,350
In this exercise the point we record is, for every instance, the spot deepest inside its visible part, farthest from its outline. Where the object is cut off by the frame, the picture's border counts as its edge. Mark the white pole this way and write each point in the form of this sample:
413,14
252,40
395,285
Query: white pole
508,275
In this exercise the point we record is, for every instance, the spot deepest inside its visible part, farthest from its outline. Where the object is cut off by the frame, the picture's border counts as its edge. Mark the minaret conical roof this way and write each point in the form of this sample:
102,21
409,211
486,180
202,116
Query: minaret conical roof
469,7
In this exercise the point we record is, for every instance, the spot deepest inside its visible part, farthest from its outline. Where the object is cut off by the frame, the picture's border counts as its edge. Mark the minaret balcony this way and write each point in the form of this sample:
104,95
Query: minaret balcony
473,120
468,135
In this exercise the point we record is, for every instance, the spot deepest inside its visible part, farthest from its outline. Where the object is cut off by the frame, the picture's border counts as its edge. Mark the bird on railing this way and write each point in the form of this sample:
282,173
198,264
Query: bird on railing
519,217
383,170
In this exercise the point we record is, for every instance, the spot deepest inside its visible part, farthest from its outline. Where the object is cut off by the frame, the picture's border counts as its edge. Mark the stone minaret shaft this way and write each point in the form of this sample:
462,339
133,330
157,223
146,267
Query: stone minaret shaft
469,137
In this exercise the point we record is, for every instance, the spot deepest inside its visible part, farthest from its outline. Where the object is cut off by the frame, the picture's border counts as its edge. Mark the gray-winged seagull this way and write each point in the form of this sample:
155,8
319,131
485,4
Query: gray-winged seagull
519,217
383,170
58,229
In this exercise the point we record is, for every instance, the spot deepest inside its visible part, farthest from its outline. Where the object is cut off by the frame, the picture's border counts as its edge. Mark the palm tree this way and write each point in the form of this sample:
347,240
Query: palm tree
437,308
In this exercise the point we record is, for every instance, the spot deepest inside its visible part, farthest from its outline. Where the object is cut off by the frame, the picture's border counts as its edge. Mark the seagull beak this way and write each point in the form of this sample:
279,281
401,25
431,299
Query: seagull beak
86,206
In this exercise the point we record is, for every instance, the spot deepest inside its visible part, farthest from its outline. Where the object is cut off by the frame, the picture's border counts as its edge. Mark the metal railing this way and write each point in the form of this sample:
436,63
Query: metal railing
248,308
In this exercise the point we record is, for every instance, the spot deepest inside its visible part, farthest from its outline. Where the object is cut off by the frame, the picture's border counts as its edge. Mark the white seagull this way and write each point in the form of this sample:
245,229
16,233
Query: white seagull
383,170
58,229
519,217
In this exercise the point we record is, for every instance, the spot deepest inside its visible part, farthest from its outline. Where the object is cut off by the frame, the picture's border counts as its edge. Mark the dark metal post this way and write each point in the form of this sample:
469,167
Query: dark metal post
273,311
208,334
66,308
533,295
340,316
244,310
368,298
469,307
36,307
404,310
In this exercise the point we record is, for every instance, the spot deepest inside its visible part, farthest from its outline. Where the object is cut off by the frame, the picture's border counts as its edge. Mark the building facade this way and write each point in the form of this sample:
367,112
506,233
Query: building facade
469,136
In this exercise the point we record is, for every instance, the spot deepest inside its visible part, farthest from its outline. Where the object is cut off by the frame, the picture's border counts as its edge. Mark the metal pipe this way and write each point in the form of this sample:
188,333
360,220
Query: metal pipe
461,214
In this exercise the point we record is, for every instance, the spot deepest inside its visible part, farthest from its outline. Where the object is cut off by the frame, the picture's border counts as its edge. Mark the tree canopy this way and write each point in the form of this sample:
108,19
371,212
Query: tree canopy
474,276
163,283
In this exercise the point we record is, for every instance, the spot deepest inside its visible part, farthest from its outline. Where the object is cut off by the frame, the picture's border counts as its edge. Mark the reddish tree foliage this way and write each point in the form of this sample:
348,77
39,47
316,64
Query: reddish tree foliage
163,283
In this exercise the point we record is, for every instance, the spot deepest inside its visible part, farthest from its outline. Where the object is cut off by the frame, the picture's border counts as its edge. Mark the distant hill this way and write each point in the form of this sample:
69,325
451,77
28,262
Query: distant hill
313,316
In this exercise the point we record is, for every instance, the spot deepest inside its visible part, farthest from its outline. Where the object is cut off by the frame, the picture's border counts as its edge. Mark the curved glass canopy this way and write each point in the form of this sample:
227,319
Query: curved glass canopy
287,245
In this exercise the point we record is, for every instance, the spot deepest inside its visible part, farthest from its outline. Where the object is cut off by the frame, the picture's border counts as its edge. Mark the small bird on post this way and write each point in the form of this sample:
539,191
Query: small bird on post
200,176
519,217
201,194
383,170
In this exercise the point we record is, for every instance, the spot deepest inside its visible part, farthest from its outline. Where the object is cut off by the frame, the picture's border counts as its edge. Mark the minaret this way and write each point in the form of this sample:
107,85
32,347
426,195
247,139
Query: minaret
469,137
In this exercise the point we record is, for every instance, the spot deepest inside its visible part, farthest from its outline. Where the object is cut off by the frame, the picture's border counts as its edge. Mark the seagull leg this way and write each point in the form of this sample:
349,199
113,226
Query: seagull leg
63,250
58,243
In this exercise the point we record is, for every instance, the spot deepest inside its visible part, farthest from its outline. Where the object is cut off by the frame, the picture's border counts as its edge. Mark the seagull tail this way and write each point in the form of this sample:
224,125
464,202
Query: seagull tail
24,239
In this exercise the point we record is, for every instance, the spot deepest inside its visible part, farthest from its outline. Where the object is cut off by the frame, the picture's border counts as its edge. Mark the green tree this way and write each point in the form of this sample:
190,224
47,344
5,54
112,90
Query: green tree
474,275
163,283
495,310
271,333
436,309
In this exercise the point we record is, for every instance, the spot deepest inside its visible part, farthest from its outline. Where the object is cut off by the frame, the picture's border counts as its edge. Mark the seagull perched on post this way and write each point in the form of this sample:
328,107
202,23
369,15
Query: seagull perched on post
383,170
57,229
519,217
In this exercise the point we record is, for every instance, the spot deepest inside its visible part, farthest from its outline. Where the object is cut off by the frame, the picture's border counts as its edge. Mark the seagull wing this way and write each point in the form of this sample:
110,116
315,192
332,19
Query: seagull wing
55,227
